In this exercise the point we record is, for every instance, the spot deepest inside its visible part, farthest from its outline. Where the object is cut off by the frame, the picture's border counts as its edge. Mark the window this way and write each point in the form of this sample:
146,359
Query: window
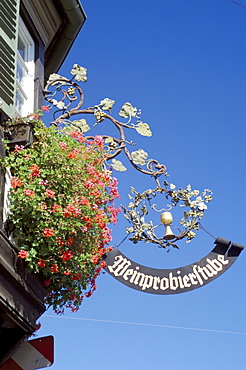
25,71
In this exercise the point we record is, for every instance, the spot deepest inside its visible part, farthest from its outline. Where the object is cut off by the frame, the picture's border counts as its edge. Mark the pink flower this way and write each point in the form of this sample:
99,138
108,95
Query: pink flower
49,193
43,182
99,141
23,254
18,148
29,193
62,145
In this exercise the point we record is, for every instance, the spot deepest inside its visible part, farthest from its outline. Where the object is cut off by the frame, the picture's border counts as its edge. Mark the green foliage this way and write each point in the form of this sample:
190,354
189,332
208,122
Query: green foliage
61,201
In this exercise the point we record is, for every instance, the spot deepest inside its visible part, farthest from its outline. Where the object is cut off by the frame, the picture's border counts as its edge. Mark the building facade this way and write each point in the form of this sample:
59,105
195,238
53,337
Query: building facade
35,37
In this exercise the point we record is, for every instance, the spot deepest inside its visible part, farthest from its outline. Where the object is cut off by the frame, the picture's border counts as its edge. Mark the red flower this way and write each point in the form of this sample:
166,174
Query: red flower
71,210
95,193
47,282
70,241
45,109
84,201
49,193
74,309
56,208
67,273
54,268
60,242
41,263
35,116
29,193
74,134
48,232
67,255
23,254
73,154
72,297
77,276
35,170
15,182
62,145
95,259
104,264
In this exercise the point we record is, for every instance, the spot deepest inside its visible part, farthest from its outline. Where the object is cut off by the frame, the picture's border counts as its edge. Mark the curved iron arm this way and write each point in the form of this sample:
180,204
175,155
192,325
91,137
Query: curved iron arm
71,93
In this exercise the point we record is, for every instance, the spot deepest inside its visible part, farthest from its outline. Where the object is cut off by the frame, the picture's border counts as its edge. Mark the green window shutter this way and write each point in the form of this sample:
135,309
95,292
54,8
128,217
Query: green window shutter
9,13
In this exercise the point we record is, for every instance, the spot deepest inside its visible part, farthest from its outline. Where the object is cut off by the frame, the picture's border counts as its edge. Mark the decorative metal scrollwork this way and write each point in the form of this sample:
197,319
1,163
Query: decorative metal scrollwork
61,93
67,96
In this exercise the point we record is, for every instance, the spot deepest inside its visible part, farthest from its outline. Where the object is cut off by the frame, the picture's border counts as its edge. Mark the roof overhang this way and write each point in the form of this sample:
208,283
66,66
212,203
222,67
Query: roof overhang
58,23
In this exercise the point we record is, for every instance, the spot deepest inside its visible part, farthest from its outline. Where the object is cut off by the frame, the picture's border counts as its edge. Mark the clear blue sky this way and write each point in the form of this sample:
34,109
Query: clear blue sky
183,63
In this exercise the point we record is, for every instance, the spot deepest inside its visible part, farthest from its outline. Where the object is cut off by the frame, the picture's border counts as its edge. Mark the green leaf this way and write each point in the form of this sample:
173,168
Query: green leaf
143,129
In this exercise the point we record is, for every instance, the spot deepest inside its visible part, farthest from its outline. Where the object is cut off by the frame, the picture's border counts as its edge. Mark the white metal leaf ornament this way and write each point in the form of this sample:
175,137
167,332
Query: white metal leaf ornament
143,129
55,76
128,110
139,157
109,140
79,72
117,165
80,125
59,104
107,104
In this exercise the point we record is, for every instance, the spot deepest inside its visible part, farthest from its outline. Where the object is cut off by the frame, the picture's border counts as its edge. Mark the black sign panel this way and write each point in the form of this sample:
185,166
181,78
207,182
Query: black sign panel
173,281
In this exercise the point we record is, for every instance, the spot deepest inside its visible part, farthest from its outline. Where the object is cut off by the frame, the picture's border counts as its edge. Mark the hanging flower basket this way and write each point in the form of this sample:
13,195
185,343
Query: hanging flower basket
61,201
19,134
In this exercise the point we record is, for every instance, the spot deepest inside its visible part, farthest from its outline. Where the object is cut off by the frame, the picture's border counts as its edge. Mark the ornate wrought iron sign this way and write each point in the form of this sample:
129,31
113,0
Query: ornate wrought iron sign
173,281
132,274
